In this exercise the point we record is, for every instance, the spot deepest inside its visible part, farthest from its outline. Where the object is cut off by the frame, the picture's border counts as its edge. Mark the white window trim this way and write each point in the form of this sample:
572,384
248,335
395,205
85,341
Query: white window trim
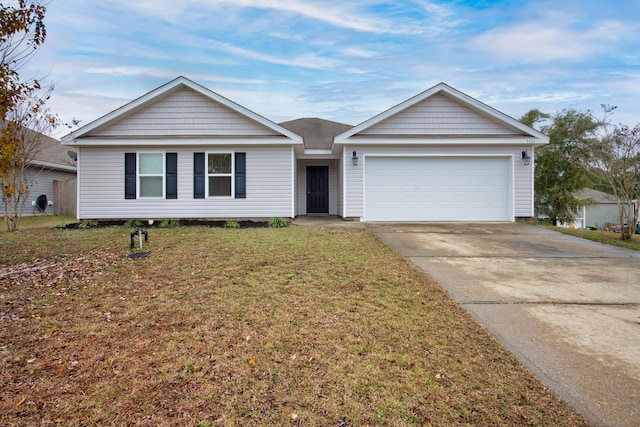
163,175
232,175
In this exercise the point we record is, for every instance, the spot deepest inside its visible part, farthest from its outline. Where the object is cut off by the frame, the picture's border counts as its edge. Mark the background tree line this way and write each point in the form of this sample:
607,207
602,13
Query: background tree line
585,151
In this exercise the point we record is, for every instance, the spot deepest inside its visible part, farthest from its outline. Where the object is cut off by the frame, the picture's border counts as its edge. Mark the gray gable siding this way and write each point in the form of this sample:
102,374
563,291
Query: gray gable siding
439,115
185,112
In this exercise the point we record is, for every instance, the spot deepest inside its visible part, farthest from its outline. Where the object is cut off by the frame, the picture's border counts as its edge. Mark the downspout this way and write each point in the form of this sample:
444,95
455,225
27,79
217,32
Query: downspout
293,182
78,163
533,178
344,182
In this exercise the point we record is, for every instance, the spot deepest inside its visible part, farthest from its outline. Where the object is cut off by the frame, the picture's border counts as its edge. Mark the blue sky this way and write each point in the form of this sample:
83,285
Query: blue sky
344,60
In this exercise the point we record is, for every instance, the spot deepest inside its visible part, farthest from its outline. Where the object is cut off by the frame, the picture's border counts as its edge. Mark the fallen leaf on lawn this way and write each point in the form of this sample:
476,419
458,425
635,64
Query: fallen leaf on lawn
31,360
21,401
58,420
197,349
251,361
294,416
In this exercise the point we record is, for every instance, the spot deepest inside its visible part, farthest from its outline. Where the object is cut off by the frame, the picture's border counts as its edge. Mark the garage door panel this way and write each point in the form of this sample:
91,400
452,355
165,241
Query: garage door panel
437,189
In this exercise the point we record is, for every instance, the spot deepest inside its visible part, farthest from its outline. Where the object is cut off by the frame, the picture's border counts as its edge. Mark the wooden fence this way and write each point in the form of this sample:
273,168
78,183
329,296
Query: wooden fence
64,197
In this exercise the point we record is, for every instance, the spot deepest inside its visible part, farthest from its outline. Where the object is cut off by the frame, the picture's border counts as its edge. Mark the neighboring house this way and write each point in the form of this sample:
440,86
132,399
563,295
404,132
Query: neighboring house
603,213
51,172
183,151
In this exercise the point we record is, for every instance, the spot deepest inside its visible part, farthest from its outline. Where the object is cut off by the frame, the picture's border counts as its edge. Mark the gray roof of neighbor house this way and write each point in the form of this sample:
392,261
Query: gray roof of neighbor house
51,153
316,133
596,196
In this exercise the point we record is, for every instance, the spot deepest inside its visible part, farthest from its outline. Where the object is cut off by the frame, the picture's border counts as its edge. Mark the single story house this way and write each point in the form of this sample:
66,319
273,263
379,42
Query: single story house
184,151
51,172
603,212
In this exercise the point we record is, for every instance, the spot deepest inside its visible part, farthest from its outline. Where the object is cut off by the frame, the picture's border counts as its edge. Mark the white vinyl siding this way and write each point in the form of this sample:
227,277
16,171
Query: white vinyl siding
354,188
296,184
185,112
523,180
41,182
340,186
268,185
439,115
520,188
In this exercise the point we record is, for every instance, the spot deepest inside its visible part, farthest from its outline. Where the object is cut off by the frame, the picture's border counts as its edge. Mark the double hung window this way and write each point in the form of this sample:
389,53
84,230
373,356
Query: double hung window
220,174
151,174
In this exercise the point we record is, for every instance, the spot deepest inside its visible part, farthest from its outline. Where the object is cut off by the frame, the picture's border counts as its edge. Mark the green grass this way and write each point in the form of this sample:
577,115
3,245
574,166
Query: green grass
602,237
257,326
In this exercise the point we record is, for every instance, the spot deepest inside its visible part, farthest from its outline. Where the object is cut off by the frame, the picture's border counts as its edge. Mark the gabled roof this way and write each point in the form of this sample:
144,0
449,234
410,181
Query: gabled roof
47,152
317,134
442,88
165,89
52,155
597,196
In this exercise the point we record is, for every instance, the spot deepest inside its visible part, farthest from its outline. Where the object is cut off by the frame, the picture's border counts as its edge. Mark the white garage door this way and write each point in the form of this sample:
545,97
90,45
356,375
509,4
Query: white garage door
438,189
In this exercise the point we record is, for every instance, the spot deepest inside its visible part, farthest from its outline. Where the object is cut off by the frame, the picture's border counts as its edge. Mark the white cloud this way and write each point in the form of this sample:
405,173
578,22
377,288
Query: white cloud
359,52
167,74
309,60
351,15
548,40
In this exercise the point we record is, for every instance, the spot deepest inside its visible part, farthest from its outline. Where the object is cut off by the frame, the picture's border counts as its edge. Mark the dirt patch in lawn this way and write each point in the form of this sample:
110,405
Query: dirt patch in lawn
296,326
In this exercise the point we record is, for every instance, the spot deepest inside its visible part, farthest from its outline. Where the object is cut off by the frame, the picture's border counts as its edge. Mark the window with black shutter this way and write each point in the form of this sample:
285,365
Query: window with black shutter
130,175
198,175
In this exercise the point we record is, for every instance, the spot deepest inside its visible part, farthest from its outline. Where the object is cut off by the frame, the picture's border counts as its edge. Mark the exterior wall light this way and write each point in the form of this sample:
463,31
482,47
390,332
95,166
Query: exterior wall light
354,159
526,158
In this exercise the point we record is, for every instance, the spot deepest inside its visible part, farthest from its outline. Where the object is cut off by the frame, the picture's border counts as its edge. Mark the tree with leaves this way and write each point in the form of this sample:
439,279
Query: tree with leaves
614,160
558,174
22,32
29,123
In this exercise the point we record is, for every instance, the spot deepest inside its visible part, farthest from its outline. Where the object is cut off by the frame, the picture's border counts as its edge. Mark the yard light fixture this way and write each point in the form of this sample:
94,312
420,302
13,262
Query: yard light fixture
354,159
526,158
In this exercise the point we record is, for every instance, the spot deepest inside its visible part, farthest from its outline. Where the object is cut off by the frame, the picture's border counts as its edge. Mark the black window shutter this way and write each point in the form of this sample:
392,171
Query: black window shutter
241,175
172,175
129,175
198,175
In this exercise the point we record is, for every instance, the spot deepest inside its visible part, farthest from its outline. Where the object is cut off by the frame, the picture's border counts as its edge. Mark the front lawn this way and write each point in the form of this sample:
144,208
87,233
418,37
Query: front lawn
295,326
602,236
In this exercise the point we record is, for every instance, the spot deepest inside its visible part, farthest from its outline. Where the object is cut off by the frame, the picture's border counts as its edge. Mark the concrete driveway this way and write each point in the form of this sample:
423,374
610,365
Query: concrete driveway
568,308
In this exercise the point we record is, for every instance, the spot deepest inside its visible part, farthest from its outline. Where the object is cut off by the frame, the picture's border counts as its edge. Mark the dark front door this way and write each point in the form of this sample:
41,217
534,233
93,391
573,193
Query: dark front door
317,189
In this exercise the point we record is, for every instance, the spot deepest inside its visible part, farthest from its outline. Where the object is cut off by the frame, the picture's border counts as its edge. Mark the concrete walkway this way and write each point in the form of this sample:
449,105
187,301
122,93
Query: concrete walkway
326,221
568,308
